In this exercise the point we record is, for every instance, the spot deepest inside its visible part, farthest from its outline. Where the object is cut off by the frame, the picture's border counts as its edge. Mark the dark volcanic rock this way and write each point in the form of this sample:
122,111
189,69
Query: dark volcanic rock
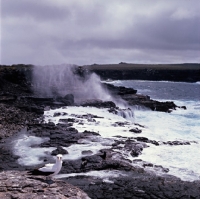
99,104
59,135
145,101
67,100
89,133
146,140
177,143
135,148
8,160
135,130
33,109
16,80
136,185
121,90
39,100
87,152
13,119
125,91
59,150
134,99
7,98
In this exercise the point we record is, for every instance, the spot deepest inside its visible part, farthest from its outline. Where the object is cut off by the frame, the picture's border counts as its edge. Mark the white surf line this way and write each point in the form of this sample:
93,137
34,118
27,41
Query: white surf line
105,175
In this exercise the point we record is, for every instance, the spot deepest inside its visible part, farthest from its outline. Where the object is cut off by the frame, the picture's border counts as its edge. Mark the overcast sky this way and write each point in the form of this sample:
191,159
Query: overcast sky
44,32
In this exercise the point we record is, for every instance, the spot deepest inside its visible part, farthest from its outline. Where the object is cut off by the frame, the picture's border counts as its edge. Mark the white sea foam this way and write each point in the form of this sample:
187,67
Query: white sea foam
104,174
181,160
22,146
106,125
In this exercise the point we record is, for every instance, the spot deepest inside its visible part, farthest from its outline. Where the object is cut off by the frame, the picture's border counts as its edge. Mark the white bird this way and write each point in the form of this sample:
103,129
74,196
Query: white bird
49,169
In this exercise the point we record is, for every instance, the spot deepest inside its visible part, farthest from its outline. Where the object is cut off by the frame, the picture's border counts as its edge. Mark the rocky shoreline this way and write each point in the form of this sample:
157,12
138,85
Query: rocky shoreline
21,109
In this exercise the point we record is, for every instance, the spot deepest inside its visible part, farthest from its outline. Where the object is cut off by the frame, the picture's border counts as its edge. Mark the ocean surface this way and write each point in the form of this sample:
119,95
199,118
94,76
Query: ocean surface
181,125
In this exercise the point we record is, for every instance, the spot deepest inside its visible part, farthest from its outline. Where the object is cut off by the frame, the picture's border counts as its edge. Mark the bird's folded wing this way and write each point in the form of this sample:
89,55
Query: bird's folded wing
47,168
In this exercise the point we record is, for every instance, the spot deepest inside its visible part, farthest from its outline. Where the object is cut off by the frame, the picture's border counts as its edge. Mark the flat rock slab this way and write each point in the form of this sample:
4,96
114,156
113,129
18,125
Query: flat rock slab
19,185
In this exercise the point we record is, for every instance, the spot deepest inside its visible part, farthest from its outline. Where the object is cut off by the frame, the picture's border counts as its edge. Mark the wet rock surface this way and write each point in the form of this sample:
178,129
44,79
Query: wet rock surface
59,135
99,104
12,119
19,185
136,185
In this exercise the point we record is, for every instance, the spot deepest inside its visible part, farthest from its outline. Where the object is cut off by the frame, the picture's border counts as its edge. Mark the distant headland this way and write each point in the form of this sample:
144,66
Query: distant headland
185,72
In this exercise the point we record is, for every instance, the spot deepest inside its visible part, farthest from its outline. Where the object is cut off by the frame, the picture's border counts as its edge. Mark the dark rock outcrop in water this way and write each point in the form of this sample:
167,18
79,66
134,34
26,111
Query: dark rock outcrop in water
99,104
130,95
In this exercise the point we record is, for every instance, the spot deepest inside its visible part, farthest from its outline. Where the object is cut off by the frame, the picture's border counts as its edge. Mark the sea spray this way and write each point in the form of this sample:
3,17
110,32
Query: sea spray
55,81
51,81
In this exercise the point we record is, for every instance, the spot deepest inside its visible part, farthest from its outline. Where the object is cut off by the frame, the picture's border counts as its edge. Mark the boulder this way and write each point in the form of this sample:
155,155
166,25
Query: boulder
146,140
87,152
135,148
125,91
99,104
135,130
59,150
121,90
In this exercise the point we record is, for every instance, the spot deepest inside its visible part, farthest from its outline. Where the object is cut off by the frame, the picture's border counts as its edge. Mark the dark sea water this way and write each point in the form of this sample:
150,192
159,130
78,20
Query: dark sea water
164,90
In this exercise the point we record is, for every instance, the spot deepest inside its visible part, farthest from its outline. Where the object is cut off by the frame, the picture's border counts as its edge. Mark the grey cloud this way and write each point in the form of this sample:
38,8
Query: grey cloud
158,34
76,31
165,33
36,10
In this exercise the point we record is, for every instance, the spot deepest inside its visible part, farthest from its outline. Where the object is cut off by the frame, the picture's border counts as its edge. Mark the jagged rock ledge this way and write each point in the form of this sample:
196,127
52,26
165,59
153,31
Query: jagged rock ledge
16,184
133,99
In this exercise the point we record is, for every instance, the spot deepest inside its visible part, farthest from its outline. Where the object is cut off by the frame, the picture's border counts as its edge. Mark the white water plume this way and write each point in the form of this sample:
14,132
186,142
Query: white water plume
126,113
49,81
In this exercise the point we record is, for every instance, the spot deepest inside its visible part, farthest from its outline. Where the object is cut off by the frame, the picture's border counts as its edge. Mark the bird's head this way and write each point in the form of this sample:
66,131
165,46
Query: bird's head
59,157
